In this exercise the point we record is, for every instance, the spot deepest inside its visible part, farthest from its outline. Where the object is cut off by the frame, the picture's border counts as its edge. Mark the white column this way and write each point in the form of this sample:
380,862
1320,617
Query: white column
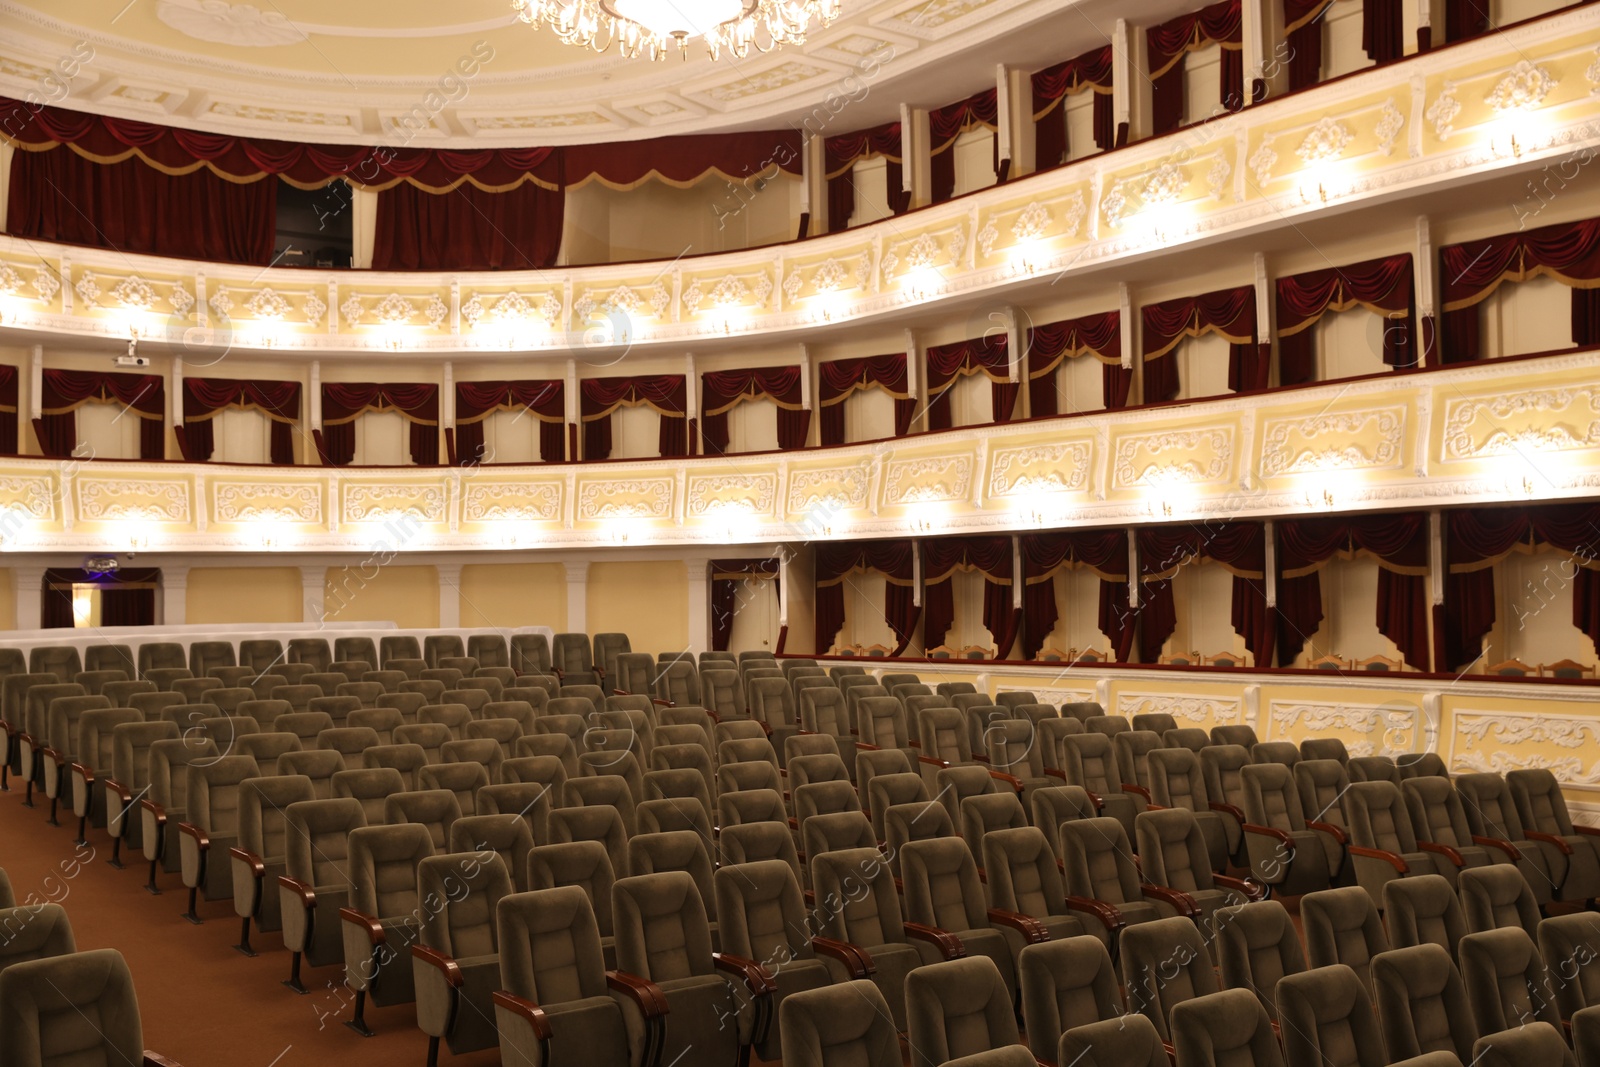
578,597
808,175
447,397
314,391
908,145
174,595
363,226
27,588
1265,307
574,413
1254,18
806,402
313,591
699,568
691,401
1005,122
919,157
36,383
1129,342
5,179
1428,317
914,377
1130,95
449,595
175,392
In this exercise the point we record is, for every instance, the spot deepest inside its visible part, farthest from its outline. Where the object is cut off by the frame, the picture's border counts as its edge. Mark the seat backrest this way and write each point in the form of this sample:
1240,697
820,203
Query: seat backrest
1322,784
155,655
1326,1018
1065,984
1222,766
1570,945
1423,909
1488,806
62,661
1378,818
317,840
942,888
584,865
1098,862
592,823
130,751
470,886
1436,812
1314,748
864,906
350,649
957,1008
383,868
530,653
77,1008
571,655
1176,780
1165,963
1506,980
1540,805
550,950
1229,1027
1158,721
1422,1005
989,811
371,787
1498,896
1172,849
263,803
662,931
1234,734
1190,737
823,710
1373,769
1133,748
1257,947
169,761
1270,798
215,792
1091,763
1342,926
845,1023
1021,871
1130,1041
1014,749
96,745
761,914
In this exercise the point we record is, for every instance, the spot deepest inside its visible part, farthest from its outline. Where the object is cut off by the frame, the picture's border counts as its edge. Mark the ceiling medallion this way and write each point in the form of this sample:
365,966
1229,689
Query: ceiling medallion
649,27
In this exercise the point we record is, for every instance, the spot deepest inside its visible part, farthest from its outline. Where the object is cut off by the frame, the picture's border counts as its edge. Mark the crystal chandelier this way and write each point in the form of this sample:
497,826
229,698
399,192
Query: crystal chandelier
649,27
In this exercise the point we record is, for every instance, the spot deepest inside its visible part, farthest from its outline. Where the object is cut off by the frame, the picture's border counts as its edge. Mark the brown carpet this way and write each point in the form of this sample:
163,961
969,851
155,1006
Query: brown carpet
203,1004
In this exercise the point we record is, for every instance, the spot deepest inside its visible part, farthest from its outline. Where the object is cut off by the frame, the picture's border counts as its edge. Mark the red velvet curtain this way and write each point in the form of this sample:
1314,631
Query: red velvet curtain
133,207
1105,552
344,402
65,391
1400,545
987,355
204,397
467,228
684,159
1382,36
1568,252
1382,286
544,400
1230,313
947,123
1169,42
836,561
10,444
991,556
1477,539
667,394
726,577
838,379
721,391
1238,546
842,152
1090,72
122,600
1466,18
1048,345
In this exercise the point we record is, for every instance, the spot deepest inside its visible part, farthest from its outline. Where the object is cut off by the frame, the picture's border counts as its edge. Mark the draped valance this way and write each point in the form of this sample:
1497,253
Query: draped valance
726,577
722,391
837,379
991,557
63,392
1050,345
988,355
203,398
666,394
1238,547
1229,313
1382,286
840,155
1382,36
1167,44
1568,252
344,402
544,400
1090,72
945,125
837,561
1103,552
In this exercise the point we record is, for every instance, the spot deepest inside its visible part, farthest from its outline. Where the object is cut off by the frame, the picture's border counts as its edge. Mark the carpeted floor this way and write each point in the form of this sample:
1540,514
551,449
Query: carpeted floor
203,1003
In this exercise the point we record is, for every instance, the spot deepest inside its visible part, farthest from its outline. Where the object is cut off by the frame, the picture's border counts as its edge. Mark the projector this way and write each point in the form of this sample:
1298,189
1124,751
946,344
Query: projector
133,361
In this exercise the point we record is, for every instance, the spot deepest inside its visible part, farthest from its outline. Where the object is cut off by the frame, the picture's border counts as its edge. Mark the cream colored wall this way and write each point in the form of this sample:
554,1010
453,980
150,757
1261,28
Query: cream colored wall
648,601
1079,109
1341,39
1202,84
244,594
369,591
659,221
753,426
1533,611
1077,614
1522,317
974,161
1202,366
1203,598
868,415
1349,627
514,594
8,601
863,612
1079,385
1349,343
755,617
870,177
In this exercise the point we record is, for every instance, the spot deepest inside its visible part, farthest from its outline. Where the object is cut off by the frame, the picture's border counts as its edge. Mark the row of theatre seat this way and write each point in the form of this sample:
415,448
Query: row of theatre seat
1010,842
60,1005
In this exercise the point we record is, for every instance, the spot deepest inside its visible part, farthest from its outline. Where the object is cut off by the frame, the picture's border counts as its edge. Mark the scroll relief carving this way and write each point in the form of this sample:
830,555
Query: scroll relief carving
1216,711
833,488
1541,420
937,478
1338,441
252,501
737,492
510,501
1040,468
641,498
1191,456
35,496
373,503
1384,729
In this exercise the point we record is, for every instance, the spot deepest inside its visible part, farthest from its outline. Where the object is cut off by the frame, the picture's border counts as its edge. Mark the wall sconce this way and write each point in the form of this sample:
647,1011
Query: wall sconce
1160,509
1325,500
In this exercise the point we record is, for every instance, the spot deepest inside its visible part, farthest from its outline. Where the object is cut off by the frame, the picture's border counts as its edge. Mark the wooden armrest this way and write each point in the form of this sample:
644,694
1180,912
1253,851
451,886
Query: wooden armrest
201,839
86,772
154,809
1281,836
1513,853
857,961
662,703
451,969
1550,839
652,1003
374,928
755,976
1252,890
1399,862
257,867
1183,902
1229,809
1056,772
1010,779
1108,914
307,895
526,1010
866,746
1031,929
1335,832
1443,850
1586,831
1138,790
933,761
155,1059
53,755
949,945
1096,799
122,791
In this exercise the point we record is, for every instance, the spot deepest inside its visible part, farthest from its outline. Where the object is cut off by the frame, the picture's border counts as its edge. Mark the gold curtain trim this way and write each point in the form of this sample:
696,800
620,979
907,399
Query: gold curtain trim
1310,16
735,576
1522,274
963,568
96,400
380,407
1237,572
854,386
1082,86
1196,331
1074,565
1195,42
862,569
655,175
1527,550
510,407
1072,353
754,395
640,402
865,155
966,128
242,405
1357,553
1343,304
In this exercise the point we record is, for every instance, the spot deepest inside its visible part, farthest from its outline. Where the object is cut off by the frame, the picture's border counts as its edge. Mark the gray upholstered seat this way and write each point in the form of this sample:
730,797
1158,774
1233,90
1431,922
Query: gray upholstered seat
1326,1018
845,1023
1423,910
212,826
1230,1027
1506,980
1065,983
1291,857
1164,964
262,851
1573,860
957,1009
456,965
1257,947
942,890
1422,1005
1129,1041
1342,926
1440,824
384,910
1492,817
1176,781
1498,896
1103,885
317,870
1174,856
82,1002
